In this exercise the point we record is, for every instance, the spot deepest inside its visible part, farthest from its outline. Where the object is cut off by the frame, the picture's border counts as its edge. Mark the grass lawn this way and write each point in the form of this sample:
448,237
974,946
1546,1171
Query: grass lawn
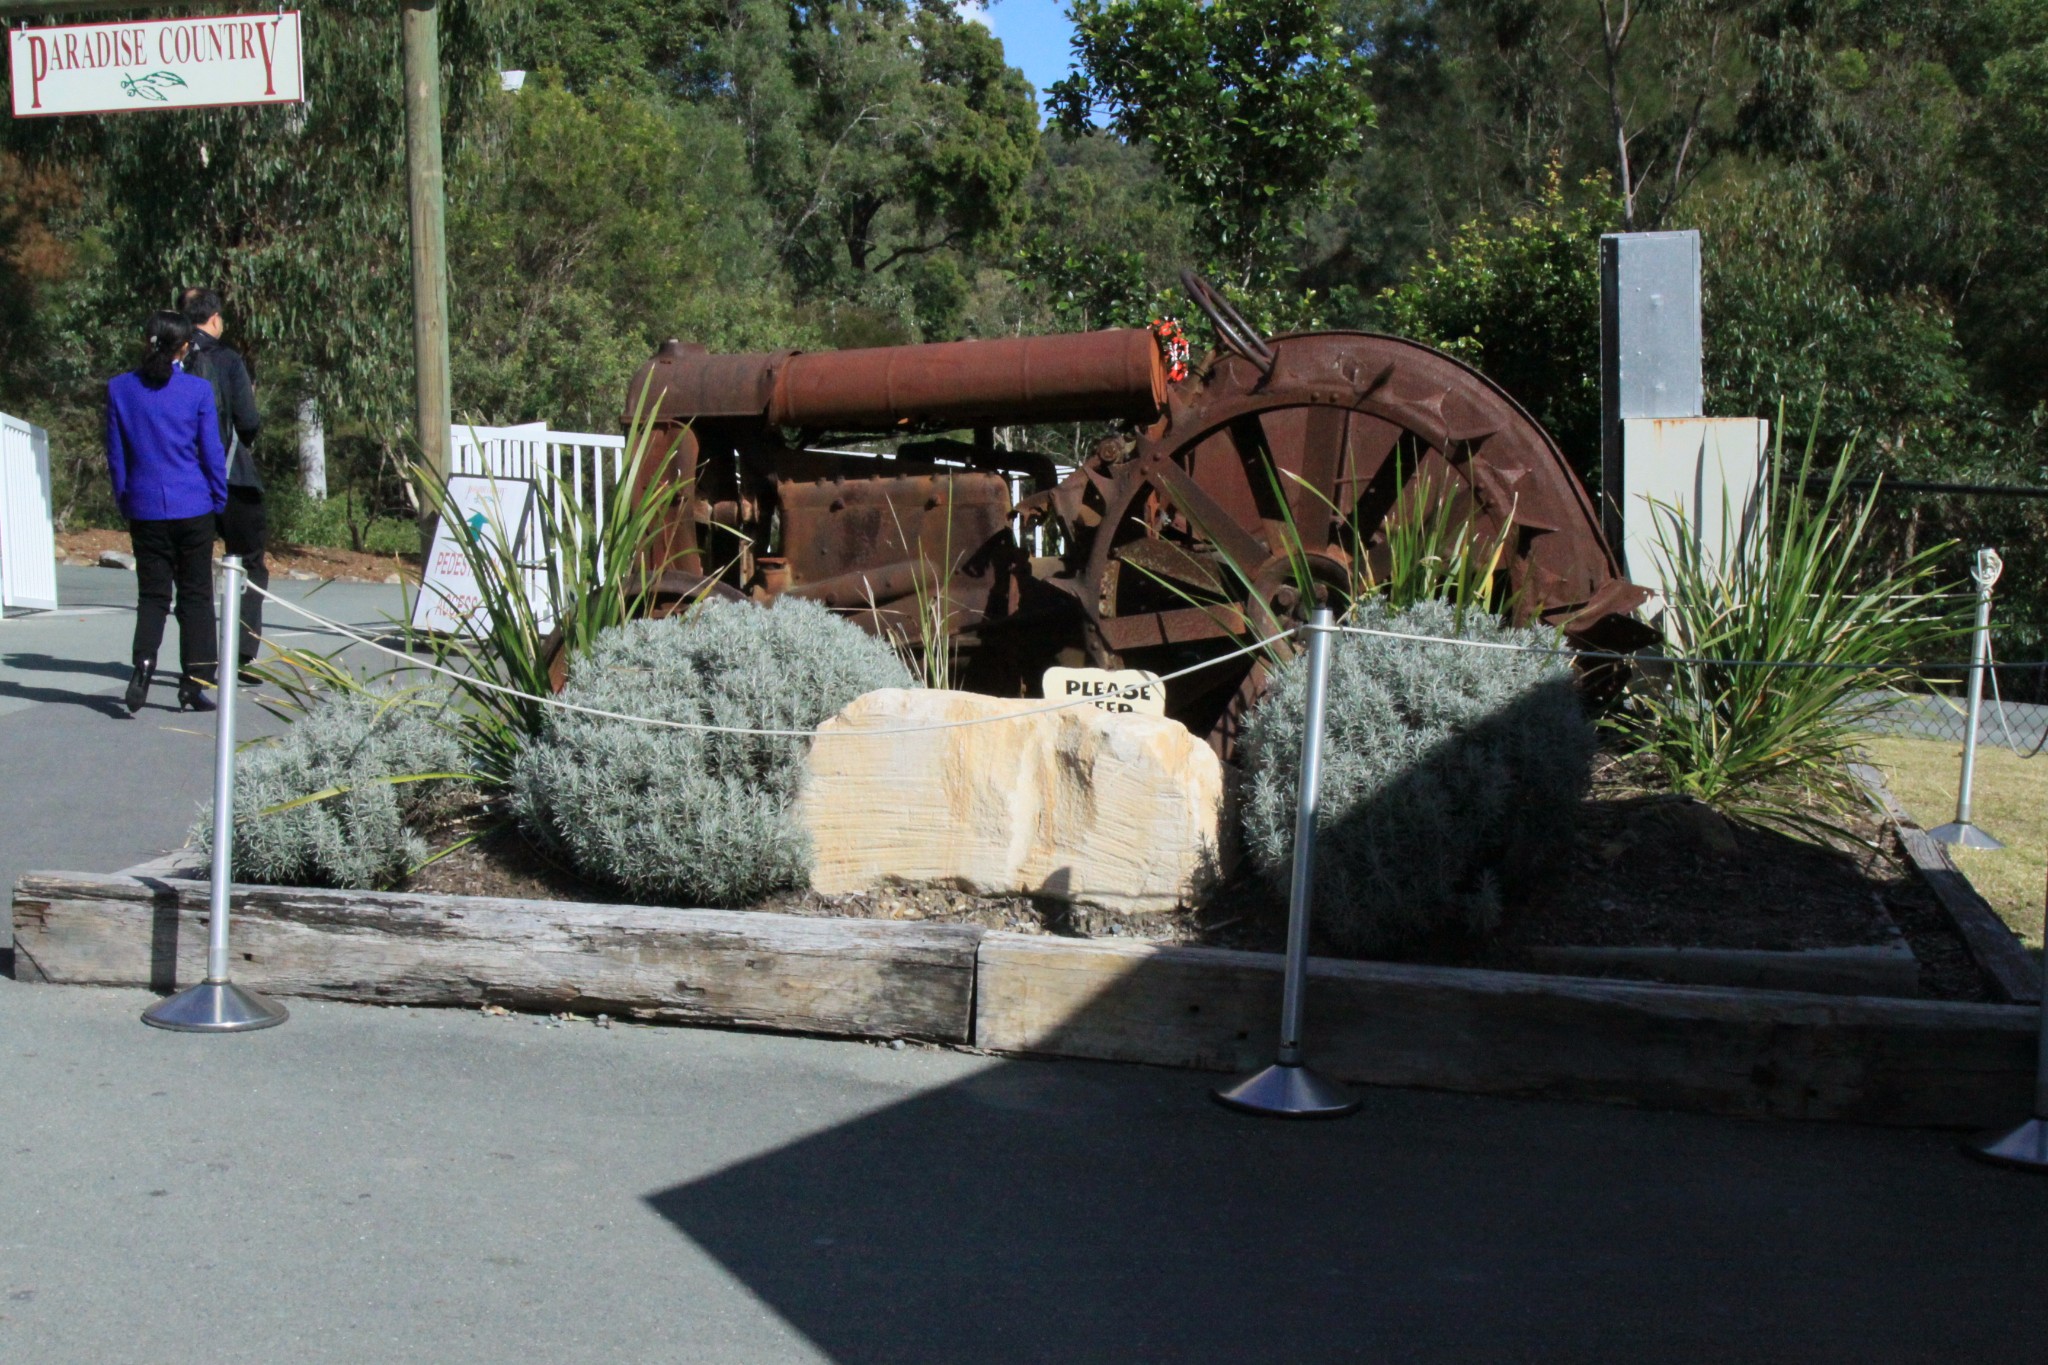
2010,801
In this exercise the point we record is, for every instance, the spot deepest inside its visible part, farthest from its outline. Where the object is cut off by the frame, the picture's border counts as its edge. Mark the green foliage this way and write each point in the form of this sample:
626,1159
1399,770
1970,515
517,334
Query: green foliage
343,797
1432,553
1788,322
1106,237
880,133
345,520
2004,318
687,815
1794,581
1246,104
1448,772
586,229
598,45
1519,299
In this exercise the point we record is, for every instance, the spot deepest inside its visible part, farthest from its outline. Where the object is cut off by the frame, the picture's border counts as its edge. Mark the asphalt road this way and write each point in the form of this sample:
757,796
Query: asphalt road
410,1185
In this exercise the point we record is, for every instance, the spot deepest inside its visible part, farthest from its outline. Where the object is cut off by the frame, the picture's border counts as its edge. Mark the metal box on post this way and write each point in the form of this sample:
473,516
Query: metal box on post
1650,347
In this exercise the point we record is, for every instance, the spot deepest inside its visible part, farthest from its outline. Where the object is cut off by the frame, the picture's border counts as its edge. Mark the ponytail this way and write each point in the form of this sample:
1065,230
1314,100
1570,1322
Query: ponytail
164,335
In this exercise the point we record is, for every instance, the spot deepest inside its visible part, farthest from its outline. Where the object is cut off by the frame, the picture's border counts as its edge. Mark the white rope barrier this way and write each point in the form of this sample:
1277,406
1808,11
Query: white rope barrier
470,680
1566,652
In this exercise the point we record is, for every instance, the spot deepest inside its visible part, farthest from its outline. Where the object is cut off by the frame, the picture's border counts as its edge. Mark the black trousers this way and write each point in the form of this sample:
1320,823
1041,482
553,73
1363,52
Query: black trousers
175,556
246,530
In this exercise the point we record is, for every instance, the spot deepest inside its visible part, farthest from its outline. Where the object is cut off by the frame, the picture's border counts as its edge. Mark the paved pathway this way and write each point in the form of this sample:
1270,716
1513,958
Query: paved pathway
413,1185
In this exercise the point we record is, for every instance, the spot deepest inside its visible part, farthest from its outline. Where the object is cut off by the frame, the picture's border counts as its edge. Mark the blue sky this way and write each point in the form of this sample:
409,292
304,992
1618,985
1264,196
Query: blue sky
1034,34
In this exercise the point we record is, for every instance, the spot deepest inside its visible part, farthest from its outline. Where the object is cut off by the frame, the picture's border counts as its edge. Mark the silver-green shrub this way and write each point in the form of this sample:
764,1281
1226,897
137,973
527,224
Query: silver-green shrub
680,814
357,745
1447,771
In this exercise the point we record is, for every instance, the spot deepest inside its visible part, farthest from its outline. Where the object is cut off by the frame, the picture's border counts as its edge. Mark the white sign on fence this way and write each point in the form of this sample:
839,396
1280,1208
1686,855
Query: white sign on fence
193,63
497,511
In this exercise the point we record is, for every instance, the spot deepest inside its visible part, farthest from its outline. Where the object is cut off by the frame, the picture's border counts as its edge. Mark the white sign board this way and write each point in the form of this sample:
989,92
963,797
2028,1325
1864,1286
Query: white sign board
28,546
496,511
1126,691
194,63
1705,472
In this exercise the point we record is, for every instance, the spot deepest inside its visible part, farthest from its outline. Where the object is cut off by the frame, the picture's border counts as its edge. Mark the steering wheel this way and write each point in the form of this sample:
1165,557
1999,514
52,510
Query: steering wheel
1232,330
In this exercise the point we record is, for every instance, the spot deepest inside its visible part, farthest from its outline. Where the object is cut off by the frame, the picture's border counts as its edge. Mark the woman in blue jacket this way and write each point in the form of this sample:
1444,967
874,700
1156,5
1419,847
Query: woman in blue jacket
170,480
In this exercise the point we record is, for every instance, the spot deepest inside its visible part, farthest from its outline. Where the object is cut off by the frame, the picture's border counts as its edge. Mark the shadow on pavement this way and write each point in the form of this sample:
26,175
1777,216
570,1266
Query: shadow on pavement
45,663
105,705
1075,1211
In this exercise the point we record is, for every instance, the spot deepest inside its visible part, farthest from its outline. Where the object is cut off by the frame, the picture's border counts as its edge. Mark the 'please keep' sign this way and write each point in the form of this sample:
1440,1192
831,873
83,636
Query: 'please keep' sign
156,64
1125,691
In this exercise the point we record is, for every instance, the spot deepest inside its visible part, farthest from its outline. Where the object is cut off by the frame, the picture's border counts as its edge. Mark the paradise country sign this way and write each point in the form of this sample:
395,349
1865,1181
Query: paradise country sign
194,63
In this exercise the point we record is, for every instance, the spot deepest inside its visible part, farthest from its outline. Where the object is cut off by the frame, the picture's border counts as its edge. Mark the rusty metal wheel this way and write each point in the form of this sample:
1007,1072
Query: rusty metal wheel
1199,536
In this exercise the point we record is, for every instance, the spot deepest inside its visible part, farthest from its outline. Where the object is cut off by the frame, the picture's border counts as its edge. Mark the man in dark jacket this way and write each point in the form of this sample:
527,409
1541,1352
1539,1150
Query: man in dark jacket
243,525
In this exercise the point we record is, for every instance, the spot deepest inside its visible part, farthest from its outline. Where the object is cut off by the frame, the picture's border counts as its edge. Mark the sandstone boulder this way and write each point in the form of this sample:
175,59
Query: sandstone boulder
1124,812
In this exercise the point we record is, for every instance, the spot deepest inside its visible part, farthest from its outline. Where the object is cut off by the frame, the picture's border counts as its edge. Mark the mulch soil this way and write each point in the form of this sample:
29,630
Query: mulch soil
286,560
1645,868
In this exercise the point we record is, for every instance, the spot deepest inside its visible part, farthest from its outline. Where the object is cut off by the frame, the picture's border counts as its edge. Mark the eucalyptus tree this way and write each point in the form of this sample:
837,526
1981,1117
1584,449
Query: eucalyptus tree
1247,105
889,138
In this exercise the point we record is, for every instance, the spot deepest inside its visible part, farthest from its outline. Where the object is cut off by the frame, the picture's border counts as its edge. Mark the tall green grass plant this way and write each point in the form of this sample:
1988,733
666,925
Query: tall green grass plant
1794,580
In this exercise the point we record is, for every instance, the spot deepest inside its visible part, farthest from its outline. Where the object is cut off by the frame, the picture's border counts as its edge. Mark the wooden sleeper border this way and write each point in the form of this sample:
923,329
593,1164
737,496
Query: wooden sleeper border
1728,1051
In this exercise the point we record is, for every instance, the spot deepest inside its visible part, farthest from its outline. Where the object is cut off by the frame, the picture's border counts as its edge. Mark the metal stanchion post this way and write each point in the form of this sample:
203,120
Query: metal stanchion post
218,1005
1287,1088
1960,832
2026,1146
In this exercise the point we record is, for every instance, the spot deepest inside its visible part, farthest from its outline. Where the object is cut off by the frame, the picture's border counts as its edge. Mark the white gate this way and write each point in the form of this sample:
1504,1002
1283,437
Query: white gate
572,472
571,469
28,539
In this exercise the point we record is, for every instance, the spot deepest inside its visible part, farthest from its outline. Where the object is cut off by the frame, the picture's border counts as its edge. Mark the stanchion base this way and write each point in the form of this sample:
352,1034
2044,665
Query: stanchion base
2024,1148
1960,835
1288,1092
214,1007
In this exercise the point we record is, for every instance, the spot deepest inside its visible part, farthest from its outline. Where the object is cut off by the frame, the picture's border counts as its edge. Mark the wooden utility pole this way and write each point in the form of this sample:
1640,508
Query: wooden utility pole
432,406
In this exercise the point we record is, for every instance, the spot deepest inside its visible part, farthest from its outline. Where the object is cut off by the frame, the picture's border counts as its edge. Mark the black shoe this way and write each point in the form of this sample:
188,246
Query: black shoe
138,685
247,673
192,696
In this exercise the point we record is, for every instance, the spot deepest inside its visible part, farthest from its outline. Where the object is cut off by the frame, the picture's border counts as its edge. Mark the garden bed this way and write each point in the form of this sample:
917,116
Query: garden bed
1713,904
1756,1053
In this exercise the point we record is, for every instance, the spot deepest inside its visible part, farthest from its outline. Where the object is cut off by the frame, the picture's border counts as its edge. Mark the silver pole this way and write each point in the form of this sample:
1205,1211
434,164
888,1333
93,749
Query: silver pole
217,1005
2026,1147
1288,1089
1960,831
1307,799
223,875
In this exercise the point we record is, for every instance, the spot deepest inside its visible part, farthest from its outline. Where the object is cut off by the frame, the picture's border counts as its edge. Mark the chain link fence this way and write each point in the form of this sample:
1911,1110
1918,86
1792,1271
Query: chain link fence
2019,726
1939,708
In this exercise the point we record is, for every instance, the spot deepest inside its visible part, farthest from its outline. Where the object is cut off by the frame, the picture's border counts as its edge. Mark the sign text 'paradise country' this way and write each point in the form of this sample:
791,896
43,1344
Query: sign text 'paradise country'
157,64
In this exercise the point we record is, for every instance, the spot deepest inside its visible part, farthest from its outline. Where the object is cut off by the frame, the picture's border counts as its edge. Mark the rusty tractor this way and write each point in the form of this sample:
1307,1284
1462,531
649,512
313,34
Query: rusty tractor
1224,501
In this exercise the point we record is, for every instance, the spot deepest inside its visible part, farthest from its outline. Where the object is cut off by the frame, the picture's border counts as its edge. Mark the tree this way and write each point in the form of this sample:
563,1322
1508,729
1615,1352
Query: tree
1519,298
883,134
584,231
2006,317
1106,236
1245,104
297,213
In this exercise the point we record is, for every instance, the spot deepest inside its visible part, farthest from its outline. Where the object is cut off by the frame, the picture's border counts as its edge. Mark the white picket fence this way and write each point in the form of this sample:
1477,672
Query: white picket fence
573,470
28,536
